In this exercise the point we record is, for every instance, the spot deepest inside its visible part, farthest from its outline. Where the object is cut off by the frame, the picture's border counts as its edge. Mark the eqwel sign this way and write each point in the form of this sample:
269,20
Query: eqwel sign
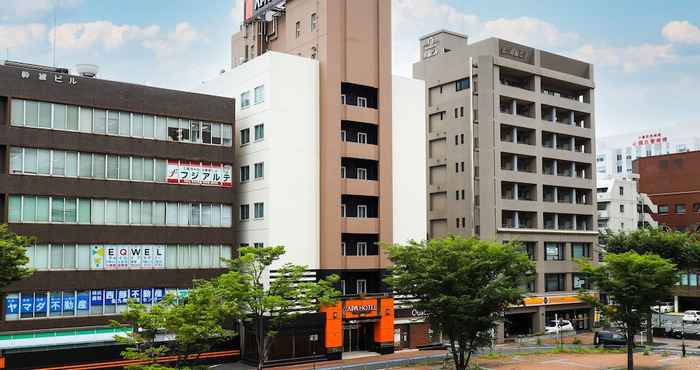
115,257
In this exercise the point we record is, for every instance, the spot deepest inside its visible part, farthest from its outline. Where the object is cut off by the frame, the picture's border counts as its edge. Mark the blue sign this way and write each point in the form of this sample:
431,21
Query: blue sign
11,305
146,296
122,296
110,297
68,303
135,295
158,294
55,303
96,298
40,303
83,302
27,304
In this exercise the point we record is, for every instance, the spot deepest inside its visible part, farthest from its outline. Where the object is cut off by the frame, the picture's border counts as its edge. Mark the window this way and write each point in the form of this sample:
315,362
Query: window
622,190
314,22
362,174
362,102
462,84
343,99
663,209
343,172
343,210
361,286
619,170
245,100
362,137
554,282
245,136
343,135
259,170
554,251
259,94
361,248
696,207
580,250
362,211
680,208
622,208
259,210
259,132
342,286
298,29
343,248
244,212
245,173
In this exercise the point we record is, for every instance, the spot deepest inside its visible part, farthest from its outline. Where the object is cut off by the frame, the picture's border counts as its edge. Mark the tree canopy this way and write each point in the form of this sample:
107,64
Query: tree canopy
463,285
13,258
681,248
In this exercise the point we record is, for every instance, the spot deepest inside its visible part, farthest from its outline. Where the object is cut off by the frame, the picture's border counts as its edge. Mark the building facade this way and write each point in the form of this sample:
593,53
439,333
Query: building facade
621,207
126,188
510,157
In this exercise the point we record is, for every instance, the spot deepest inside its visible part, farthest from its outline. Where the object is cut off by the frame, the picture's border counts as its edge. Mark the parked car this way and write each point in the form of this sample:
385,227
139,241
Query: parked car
663,307
609,338
558,326
691,316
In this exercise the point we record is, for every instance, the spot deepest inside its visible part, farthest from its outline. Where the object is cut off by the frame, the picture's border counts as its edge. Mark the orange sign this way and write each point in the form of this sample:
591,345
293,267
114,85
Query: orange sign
539,301
357,308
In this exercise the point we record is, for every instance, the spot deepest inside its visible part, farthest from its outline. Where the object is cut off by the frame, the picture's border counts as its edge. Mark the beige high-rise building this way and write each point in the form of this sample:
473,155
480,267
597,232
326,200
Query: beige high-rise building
511,156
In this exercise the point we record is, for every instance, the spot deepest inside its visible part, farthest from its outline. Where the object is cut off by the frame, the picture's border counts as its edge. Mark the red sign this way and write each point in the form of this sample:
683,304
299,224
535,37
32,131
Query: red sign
199,173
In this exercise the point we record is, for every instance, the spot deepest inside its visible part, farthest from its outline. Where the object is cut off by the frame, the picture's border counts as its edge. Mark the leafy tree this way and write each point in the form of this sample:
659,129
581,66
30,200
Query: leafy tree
632,281
13,259
463,286
268,304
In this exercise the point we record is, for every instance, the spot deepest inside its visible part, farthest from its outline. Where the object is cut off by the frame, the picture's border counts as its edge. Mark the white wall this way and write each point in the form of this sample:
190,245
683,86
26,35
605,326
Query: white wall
408,147
289,150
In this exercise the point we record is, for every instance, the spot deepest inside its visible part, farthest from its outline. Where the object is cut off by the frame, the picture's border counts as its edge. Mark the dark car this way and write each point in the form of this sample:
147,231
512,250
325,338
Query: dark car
609,338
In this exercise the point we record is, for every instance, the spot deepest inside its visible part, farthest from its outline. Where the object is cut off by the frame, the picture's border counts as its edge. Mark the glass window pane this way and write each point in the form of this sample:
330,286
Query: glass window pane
194,214
161,170
124,124
148,169
194,256
159,213
69,256
44,114
42,209
183,214
171,256
43,161
17,112
15,208
227,135
16,155
171,214
72,164
41,256
100,121
216,133
59,163
147,213
84,211
59,116
85,165
161,129
184,130
111,212
194,132
72,118
206,133
215,215
206,214
225,215
71,213
124,165
123,212
135,216
31,114
148,126
98,212
173,129
28,209
57,209
183,252
137,169
206,256
30,165
113,123
112,167
83,257
56,256
98,165
85,119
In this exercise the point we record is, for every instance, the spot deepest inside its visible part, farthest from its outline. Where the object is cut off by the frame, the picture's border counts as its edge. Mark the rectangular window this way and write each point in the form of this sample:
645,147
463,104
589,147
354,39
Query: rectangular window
59,163
225,215
42,209
28,209
161,128
314,21
259,132
161,170
125,125
245,100
343,172
216,133
245,173
259,94
100,121
123,214
16,159
171,214
361,286
245,136
173,129
362,138
554,251
362,102
99,164
84,211
124,168
137,125
259,210
580,250
159,213
696,207
227,135
15,208
362,211
137,169
70,210
44,115
462,84
17,111
112,167
44,162
298,29
663,209
97,213
259,170
195,132
183,214
113,123
554,282
72,164
184,130
111,212
362,174
59,116
361,248
622,189
680,209
148,126
31,114
244,212
343,210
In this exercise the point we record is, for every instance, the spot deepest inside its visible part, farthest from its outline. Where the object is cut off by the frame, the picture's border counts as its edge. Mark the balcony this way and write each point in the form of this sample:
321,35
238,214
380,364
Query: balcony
565,116
361,262
359,187
516,78
362,151
359,114
518,219
518,162
517,135
565,90
517,107
356,225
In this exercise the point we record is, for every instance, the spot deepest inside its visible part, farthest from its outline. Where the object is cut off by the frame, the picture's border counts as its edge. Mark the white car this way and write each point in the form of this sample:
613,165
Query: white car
663,307
691,316
558,326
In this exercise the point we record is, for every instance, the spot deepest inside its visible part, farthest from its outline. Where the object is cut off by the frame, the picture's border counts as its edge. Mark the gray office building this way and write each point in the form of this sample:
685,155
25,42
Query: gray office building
511,156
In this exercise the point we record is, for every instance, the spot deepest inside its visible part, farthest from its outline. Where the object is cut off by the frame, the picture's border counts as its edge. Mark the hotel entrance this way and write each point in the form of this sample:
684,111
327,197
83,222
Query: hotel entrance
358,337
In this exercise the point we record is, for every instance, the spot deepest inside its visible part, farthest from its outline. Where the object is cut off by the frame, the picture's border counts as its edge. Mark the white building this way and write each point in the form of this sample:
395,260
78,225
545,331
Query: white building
621,207
616,153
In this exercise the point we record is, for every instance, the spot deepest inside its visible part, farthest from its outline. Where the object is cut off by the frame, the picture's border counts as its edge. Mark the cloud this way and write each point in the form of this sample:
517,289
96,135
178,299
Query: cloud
682,32
13,9
530,31
178,40
102,34
12,37
631,58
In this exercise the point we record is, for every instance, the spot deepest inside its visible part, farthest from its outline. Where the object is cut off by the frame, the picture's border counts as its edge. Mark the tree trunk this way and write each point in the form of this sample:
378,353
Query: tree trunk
630,349
650,329
260,337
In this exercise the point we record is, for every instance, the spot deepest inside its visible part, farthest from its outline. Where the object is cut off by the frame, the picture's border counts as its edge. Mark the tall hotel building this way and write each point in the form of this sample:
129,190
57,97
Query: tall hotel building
325,167
511,156
128,190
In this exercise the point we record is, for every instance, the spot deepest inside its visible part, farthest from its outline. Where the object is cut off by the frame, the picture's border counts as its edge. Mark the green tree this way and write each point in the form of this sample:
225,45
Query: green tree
631,281
13,258
267,304
463,285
